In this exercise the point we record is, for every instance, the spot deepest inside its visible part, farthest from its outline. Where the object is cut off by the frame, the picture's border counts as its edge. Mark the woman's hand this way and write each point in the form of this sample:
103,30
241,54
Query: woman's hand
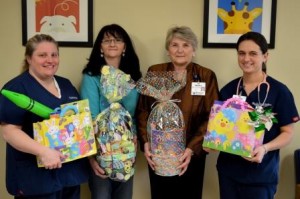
148,155
96,168
258,154
51,158
283,139
185,159
17,138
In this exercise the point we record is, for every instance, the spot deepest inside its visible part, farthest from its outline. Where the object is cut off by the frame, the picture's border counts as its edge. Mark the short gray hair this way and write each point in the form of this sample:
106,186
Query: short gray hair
181,32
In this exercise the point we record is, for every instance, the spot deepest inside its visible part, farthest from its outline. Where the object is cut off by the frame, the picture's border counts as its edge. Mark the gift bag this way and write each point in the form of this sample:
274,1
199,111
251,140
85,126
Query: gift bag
165,125
114,127
69,130
230,128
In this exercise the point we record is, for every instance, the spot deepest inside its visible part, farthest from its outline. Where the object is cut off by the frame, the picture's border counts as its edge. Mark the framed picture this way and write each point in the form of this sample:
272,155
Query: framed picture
69,22
226,20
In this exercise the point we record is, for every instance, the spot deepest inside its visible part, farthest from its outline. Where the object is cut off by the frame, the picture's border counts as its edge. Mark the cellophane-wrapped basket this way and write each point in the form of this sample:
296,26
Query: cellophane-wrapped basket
165,125
114,128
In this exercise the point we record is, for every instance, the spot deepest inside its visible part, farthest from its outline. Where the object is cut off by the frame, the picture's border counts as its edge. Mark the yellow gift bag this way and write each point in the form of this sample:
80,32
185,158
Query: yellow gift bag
69,131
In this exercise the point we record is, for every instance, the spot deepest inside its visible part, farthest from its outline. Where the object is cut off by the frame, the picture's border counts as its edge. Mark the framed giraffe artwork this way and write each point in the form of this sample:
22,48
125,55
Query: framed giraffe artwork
226,20
69,22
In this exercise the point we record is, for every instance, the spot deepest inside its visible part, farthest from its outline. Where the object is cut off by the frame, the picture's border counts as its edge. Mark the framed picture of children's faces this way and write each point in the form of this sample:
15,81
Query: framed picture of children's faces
226,20
69,22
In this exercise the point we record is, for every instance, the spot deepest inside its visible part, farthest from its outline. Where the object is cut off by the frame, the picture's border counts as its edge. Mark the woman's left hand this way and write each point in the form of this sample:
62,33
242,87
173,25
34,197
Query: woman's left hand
185,159
257,155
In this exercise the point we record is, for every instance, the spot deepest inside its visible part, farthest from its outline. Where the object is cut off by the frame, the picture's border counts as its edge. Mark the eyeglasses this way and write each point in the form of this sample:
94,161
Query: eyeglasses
109,41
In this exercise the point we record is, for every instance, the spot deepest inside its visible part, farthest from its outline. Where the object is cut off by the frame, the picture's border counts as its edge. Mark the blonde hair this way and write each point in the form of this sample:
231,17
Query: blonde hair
31,46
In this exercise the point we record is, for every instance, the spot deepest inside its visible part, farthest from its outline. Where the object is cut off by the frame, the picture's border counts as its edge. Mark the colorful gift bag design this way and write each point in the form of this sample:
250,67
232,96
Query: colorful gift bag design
114,127
165,125
230,128
69,130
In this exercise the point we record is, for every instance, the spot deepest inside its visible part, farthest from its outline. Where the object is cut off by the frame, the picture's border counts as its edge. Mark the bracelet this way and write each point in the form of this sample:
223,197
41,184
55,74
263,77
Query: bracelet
265,149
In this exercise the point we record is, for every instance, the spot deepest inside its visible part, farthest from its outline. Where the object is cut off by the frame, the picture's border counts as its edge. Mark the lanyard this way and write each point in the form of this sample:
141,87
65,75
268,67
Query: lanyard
196,76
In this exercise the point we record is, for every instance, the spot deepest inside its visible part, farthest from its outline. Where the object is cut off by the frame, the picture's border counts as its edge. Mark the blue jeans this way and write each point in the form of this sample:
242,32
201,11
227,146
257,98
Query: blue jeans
109,189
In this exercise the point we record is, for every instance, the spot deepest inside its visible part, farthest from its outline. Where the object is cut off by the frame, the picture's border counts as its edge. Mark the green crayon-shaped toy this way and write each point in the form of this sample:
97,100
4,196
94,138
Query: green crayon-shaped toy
27,103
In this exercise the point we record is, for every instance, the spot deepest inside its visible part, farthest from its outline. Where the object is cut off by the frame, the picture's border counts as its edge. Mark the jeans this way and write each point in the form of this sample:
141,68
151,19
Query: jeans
109,189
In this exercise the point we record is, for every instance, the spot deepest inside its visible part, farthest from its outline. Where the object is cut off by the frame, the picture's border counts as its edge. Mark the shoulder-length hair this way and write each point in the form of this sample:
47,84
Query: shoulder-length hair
129,62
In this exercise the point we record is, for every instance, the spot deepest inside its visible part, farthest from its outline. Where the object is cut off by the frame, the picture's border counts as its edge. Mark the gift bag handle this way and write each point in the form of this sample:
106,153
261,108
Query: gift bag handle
235,100
67,108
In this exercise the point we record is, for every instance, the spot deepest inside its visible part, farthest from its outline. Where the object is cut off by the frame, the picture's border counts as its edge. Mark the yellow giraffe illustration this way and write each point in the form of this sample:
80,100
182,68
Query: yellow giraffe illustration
238,21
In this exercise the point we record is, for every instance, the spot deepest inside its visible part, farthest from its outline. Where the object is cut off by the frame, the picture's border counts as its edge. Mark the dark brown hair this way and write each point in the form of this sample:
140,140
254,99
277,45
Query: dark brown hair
257,38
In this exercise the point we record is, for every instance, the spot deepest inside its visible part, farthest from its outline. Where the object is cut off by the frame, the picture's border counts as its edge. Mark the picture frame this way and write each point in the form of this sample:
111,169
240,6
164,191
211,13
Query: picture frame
218,35
69,22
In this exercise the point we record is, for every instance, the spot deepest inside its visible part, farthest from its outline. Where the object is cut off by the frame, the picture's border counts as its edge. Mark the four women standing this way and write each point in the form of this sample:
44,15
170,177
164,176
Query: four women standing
238,177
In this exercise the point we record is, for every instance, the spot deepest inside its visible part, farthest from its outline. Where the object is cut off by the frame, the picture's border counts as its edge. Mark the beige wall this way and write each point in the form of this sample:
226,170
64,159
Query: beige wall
147,22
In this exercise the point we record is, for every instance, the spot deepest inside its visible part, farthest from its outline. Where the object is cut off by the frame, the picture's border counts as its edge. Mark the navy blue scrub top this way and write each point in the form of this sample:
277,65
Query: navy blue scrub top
283,105
22,174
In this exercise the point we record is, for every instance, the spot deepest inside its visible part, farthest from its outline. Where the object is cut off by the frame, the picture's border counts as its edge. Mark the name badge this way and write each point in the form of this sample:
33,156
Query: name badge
198,88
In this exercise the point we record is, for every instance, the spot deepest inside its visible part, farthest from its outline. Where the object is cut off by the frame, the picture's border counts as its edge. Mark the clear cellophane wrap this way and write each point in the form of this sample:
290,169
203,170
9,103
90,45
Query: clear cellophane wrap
114,127
165,125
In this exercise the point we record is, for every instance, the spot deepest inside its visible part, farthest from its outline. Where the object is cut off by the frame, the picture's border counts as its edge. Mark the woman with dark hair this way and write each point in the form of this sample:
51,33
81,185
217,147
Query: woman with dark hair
128,61
112,47
257,177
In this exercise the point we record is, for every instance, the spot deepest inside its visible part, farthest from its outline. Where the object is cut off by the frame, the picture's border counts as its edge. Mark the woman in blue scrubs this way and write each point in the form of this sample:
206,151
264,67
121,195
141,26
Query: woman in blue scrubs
24,179
257,177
